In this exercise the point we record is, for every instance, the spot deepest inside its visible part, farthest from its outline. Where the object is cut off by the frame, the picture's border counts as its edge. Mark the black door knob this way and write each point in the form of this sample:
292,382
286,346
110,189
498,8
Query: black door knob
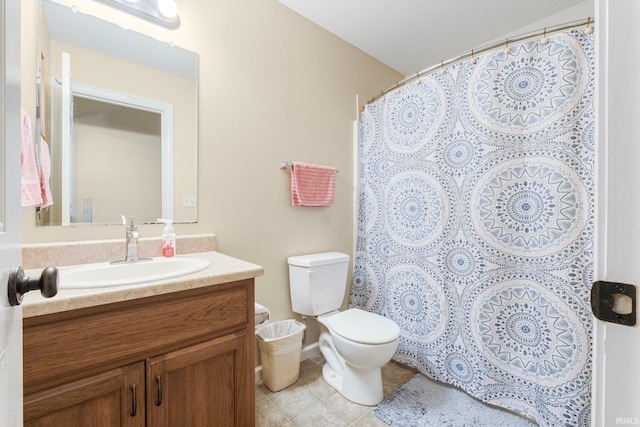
19,284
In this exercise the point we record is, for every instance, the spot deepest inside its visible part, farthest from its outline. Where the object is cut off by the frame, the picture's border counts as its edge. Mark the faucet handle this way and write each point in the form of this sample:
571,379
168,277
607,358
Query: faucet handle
131,224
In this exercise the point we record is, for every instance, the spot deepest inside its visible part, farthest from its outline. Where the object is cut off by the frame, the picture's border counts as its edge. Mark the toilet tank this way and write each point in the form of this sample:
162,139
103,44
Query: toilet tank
317,282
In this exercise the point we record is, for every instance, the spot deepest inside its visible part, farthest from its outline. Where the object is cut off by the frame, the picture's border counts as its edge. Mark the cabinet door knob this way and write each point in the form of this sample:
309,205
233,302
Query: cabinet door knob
19,284
159,383
134,401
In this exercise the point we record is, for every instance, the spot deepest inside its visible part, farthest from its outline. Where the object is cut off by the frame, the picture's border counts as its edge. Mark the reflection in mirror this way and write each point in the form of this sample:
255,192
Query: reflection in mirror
119,112
103,134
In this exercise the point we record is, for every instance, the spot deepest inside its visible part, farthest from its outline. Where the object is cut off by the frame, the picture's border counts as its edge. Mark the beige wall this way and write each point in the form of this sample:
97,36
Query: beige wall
273,86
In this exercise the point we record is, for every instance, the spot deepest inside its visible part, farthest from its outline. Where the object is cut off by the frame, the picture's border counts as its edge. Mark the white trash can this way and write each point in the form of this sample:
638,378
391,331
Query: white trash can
280,347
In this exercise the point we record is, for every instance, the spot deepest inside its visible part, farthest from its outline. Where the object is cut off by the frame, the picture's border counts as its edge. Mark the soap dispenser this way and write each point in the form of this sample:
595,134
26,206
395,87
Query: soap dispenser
168,238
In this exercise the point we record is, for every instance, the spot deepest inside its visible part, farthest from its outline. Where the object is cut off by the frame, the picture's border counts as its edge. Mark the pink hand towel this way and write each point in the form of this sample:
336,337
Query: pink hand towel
312,185
45,173
30,180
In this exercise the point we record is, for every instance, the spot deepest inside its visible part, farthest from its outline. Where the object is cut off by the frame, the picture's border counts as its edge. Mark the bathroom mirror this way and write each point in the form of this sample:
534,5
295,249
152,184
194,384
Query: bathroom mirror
119,113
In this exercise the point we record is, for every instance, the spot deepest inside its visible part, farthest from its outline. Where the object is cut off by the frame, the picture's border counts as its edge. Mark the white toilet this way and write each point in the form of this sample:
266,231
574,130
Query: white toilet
354,343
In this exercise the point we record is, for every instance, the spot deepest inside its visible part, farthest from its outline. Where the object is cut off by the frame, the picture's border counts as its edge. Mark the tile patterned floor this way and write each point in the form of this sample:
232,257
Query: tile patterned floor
312,402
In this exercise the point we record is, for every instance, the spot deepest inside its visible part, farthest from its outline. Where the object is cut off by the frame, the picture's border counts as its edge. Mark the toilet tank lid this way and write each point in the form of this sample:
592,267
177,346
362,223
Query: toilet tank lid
313,260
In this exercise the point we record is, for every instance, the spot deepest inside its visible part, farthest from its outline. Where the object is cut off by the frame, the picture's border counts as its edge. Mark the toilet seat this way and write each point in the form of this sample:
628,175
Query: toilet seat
363,327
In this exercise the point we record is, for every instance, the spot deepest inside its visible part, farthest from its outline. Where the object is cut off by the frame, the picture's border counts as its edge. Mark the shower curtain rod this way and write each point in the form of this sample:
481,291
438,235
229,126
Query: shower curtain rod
473,52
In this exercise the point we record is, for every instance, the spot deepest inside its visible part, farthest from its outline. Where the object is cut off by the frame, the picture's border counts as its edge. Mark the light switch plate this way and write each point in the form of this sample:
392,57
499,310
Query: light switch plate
189,201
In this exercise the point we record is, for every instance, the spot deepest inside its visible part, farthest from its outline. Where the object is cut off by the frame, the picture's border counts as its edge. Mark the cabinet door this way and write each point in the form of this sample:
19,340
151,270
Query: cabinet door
113,398
208,384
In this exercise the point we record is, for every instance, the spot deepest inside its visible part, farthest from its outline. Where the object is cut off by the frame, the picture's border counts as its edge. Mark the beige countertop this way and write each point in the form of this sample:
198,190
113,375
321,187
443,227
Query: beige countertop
223,269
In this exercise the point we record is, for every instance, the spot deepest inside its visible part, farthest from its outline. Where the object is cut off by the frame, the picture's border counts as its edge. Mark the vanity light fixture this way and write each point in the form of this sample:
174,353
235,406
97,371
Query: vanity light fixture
168,8
161,12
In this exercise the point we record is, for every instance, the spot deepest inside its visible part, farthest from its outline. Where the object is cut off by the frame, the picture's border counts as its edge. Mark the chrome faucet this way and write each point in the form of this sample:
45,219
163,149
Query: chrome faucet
131,241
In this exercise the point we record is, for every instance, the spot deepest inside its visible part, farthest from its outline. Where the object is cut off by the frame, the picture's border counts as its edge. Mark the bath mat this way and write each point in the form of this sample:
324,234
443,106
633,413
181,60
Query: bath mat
423,402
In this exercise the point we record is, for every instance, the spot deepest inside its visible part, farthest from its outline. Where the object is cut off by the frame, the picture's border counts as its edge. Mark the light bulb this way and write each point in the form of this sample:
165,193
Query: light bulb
168,8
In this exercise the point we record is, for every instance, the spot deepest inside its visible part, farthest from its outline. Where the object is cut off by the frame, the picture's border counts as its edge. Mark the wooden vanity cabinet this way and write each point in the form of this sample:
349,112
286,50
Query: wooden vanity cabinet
179,359
208,367
108,399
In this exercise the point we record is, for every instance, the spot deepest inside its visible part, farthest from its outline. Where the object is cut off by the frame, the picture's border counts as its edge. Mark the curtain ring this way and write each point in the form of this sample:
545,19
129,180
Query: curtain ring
545,39
442,71
473,58
588,30
507,49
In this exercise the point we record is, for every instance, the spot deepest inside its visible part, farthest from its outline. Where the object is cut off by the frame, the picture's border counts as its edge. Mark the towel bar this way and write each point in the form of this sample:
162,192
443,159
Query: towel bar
284,165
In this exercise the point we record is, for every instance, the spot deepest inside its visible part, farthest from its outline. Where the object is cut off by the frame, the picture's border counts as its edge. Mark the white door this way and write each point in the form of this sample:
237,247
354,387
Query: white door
10,255
616,382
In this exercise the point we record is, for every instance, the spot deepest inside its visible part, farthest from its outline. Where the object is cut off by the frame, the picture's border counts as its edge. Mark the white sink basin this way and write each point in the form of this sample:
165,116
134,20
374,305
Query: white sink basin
107,275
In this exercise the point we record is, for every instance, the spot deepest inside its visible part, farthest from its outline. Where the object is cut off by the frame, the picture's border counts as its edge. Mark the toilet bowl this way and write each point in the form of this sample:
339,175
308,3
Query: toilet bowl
356,344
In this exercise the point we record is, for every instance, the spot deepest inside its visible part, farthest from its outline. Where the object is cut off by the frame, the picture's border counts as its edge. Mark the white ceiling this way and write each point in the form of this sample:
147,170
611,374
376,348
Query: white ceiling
411,35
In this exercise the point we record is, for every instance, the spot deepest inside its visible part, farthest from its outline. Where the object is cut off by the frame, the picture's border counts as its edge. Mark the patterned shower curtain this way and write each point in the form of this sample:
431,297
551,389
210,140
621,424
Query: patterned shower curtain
476,223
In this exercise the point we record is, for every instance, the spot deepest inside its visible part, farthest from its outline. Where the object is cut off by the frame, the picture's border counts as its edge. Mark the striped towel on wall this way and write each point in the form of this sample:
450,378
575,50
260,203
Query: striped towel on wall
312,185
